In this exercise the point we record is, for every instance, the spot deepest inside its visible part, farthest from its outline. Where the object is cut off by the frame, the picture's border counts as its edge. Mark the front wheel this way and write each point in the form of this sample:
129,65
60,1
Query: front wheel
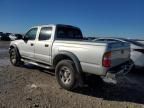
15,58
66,74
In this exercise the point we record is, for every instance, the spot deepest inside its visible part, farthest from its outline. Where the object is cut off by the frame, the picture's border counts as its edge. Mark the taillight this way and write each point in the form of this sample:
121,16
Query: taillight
107,59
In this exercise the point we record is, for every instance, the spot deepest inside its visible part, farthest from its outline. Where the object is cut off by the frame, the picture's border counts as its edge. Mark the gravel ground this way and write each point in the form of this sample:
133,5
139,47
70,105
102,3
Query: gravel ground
30,86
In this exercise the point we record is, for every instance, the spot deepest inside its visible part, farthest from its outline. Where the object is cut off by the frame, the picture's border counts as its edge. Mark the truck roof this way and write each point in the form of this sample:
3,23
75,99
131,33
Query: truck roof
65,25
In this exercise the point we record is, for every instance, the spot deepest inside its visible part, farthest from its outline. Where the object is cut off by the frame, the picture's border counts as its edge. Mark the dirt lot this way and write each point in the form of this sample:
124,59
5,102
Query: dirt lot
30,86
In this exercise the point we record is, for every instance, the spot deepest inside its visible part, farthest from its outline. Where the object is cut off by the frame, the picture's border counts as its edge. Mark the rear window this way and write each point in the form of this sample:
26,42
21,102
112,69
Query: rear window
66,32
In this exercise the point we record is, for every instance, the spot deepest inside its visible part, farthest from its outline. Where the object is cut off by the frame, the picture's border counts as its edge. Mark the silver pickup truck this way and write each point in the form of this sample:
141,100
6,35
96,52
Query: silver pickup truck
63,48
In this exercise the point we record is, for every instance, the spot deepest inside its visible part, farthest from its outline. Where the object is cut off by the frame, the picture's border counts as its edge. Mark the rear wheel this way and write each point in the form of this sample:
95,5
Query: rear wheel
66,74
15,58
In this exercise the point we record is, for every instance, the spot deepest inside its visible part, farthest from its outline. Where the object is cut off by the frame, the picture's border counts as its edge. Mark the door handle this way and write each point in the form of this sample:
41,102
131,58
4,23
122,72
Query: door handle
32,44
46,45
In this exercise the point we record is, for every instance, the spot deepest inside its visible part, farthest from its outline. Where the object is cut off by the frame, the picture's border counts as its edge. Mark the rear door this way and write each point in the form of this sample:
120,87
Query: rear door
43,45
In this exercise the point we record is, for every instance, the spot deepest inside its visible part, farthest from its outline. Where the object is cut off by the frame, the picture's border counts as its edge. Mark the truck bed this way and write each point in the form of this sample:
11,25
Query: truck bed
91,53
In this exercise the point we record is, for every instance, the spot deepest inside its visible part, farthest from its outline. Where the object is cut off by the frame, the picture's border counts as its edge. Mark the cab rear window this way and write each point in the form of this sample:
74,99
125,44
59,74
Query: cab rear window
68,33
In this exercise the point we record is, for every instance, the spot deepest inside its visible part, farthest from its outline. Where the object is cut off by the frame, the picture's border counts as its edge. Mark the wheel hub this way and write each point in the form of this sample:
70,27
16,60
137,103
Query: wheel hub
65,75
13,56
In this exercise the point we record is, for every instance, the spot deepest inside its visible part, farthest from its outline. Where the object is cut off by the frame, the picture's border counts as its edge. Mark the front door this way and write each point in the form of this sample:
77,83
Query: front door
27,45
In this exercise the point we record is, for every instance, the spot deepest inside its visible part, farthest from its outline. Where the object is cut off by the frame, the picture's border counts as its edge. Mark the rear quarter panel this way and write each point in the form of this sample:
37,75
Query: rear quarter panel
90,56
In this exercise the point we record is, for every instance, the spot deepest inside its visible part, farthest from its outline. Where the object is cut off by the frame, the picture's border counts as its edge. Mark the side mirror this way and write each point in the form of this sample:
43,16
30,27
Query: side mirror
25,38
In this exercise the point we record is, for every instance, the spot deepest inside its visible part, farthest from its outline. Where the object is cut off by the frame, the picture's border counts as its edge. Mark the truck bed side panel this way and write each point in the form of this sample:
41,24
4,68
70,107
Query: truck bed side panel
90,57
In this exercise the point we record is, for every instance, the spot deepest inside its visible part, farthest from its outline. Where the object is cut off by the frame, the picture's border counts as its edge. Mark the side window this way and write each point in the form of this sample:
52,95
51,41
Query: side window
31,34
45,33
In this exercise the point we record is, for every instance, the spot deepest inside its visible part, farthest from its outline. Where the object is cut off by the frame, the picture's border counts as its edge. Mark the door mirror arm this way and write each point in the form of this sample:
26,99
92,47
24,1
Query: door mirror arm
25,38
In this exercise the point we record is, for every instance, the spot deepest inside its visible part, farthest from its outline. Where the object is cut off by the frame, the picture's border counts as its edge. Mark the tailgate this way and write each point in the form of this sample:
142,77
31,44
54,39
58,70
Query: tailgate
120,52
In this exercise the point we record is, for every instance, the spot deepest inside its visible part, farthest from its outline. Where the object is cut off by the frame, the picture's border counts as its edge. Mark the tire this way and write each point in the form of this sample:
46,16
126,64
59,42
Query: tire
15,57
66,74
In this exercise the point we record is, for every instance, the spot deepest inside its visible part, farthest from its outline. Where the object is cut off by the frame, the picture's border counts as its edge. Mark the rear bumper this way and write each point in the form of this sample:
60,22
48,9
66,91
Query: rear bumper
120,70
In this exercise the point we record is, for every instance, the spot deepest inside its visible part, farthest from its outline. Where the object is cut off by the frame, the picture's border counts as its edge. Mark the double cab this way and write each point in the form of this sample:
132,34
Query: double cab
64,49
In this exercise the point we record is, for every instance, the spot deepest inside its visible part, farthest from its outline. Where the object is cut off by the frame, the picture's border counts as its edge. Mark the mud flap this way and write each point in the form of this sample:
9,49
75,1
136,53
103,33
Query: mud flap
109,78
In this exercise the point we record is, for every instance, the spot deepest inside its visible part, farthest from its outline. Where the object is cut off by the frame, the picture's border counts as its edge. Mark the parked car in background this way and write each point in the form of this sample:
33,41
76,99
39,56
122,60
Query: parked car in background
15,36
19,36
7,34
1,35
137,49
12,37
5,37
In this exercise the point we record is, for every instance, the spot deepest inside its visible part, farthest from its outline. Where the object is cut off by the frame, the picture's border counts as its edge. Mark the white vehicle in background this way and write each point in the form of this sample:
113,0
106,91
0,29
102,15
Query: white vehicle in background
139,40
137,49
12,37
15,36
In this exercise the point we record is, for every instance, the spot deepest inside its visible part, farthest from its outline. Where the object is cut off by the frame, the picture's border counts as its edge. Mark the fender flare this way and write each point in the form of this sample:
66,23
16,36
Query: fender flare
16,49
72,56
